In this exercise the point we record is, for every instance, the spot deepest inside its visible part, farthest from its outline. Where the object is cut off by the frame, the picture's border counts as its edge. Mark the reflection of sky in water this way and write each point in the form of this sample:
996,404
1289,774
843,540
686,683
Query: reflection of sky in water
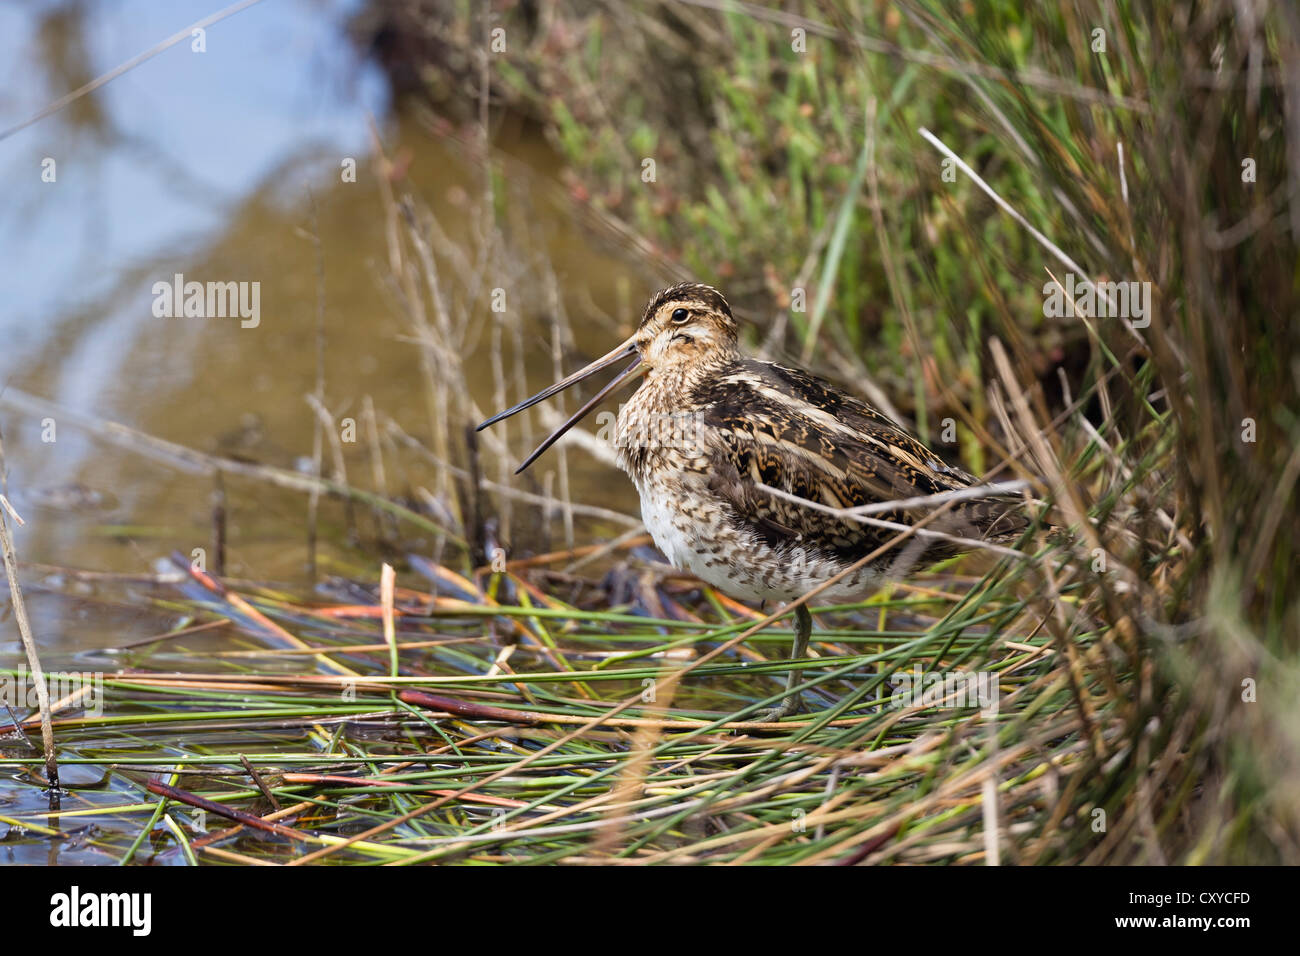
188,135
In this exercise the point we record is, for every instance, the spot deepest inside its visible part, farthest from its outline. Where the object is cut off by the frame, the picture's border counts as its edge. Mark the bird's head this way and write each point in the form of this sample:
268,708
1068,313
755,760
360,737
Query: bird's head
684,326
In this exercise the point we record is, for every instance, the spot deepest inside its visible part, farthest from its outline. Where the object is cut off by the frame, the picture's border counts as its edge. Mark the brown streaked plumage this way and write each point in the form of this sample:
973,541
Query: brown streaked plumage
709,428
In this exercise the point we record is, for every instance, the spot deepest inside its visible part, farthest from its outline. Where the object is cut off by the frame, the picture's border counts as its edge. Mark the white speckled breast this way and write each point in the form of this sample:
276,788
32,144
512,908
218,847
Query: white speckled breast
700,539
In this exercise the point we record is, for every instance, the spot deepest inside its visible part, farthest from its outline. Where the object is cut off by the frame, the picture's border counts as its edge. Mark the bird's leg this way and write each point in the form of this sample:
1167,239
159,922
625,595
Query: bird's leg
790,703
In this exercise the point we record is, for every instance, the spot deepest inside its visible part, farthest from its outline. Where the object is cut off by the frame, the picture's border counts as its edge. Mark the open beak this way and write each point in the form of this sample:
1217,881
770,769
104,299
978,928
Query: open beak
621,352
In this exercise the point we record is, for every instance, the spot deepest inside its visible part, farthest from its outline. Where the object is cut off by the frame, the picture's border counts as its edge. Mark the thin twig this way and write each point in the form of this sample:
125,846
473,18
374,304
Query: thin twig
131,64
848,515
29,646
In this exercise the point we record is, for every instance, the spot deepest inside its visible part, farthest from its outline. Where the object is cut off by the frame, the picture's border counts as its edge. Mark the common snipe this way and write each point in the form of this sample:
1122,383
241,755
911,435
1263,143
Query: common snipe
710,431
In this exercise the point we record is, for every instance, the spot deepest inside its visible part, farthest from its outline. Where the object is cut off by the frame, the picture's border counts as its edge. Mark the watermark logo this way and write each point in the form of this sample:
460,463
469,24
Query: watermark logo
1098,300
953,689
85,690
75,908
680,430
208,300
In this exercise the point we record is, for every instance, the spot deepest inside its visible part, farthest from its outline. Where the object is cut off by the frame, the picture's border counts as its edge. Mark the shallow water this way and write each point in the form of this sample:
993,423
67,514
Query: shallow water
212,166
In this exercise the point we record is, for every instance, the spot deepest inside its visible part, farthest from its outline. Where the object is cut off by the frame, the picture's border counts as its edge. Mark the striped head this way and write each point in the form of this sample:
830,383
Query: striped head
686,324
686,329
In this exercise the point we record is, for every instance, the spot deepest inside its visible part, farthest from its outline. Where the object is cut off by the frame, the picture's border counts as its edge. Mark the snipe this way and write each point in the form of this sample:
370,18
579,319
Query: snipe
710,431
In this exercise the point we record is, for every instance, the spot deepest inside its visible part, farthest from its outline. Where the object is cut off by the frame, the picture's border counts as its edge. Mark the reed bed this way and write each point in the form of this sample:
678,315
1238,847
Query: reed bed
505,750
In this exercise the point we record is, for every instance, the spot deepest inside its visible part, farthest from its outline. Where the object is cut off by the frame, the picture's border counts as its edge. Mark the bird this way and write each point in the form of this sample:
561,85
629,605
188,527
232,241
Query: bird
745,468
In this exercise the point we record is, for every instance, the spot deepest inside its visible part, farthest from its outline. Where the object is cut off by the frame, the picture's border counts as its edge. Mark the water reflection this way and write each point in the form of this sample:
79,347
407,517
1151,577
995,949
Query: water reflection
216,165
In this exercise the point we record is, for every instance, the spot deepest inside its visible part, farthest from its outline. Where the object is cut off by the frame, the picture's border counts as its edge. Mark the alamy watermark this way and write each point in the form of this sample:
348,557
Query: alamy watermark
951,689
680,430
84,690
75,908
208,300
1098,300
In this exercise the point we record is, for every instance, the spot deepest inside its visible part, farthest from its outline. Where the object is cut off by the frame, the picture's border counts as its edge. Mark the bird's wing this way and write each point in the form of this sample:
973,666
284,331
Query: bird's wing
789,430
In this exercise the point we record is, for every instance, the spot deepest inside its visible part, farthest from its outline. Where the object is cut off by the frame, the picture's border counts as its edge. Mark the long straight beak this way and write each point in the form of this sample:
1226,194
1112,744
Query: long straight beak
610,358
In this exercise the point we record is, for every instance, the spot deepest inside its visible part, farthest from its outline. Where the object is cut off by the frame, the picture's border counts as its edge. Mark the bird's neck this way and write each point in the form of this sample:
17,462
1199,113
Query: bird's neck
661,418
675,380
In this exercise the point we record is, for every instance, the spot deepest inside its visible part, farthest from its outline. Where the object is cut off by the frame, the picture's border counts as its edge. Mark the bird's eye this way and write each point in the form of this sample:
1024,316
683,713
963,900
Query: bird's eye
680,316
